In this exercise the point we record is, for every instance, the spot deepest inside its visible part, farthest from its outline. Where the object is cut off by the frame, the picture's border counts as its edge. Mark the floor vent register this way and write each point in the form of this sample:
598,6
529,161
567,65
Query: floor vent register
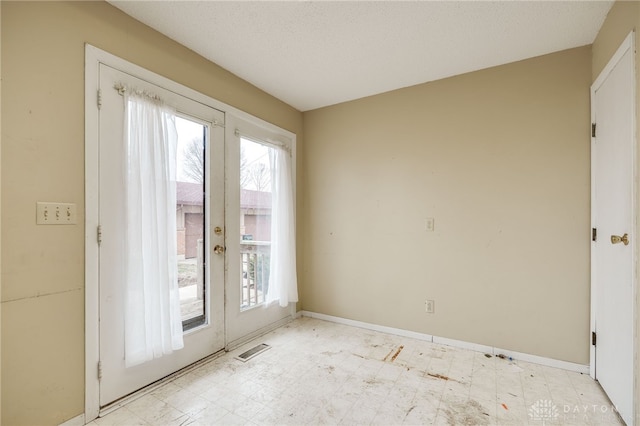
253,352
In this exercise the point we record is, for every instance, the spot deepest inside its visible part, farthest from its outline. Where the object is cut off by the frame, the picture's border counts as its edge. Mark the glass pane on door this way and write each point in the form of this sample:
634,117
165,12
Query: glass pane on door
190,222
255,222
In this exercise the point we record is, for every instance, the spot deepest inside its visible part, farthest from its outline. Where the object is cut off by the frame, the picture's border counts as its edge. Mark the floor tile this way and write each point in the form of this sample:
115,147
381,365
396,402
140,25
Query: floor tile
322,373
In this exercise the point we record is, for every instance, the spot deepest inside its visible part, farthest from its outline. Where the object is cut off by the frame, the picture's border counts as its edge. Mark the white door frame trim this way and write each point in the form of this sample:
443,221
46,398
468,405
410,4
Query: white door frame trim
94,57
627,44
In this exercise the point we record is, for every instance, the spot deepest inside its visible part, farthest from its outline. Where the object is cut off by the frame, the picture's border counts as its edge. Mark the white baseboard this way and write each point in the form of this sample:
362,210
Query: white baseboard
535,359
76,421
549,362
368,326
258,333
476,347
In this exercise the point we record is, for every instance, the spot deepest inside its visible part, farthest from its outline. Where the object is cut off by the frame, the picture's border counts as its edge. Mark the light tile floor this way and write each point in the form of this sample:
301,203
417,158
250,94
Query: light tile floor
318,372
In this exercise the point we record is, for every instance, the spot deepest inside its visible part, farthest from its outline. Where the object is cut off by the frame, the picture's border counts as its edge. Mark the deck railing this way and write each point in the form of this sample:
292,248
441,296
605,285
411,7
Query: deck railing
255,257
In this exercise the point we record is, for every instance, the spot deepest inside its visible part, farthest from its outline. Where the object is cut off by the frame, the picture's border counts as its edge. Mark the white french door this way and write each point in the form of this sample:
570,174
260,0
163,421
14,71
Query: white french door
222,303
200,253
249,203
614,238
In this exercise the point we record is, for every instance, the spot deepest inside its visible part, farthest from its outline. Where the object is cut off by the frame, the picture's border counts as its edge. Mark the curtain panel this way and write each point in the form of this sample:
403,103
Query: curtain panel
153,325
283,282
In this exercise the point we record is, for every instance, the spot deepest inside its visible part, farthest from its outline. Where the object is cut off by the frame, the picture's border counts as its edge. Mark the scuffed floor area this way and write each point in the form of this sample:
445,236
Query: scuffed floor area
318,372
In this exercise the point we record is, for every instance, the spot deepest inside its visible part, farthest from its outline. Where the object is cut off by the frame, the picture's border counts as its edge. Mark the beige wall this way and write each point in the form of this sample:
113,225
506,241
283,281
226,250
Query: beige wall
43,160
623,18
500,159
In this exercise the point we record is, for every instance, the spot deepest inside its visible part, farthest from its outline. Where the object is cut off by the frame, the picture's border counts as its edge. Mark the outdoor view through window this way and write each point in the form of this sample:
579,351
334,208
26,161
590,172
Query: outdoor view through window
190,214
255,221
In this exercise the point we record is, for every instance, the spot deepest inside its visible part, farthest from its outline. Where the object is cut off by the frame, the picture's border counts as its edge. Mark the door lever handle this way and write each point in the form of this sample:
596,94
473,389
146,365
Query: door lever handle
616,239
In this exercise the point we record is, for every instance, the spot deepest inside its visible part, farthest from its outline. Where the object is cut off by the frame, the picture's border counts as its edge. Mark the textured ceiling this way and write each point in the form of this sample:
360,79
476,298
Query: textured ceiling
314,53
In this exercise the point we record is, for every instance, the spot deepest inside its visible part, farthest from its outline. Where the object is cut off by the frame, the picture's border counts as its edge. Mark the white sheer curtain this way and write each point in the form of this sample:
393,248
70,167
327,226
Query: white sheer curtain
283,282
153,325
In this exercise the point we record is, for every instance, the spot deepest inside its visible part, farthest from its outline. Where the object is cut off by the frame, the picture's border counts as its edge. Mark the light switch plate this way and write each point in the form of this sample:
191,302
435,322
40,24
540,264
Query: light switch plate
55,213
429,224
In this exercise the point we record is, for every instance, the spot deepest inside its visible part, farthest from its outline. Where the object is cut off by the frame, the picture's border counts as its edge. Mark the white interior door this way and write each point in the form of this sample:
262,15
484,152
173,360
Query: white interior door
200,207
613,251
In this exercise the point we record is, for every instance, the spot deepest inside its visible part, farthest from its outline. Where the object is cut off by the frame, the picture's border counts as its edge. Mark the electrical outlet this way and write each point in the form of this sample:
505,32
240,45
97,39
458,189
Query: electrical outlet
56,213
429,306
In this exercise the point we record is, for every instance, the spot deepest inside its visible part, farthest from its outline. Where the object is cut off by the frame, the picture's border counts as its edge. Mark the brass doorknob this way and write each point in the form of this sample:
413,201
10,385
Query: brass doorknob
616,239
218,249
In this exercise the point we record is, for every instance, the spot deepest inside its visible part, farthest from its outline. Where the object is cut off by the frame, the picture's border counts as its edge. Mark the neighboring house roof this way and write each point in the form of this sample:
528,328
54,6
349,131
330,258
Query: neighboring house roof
191,194
250,199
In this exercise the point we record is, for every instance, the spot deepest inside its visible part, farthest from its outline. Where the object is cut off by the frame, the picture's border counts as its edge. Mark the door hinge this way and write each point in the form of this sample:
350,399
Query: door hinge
593,338
594,234
99,99
99,370
99,234
593,130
